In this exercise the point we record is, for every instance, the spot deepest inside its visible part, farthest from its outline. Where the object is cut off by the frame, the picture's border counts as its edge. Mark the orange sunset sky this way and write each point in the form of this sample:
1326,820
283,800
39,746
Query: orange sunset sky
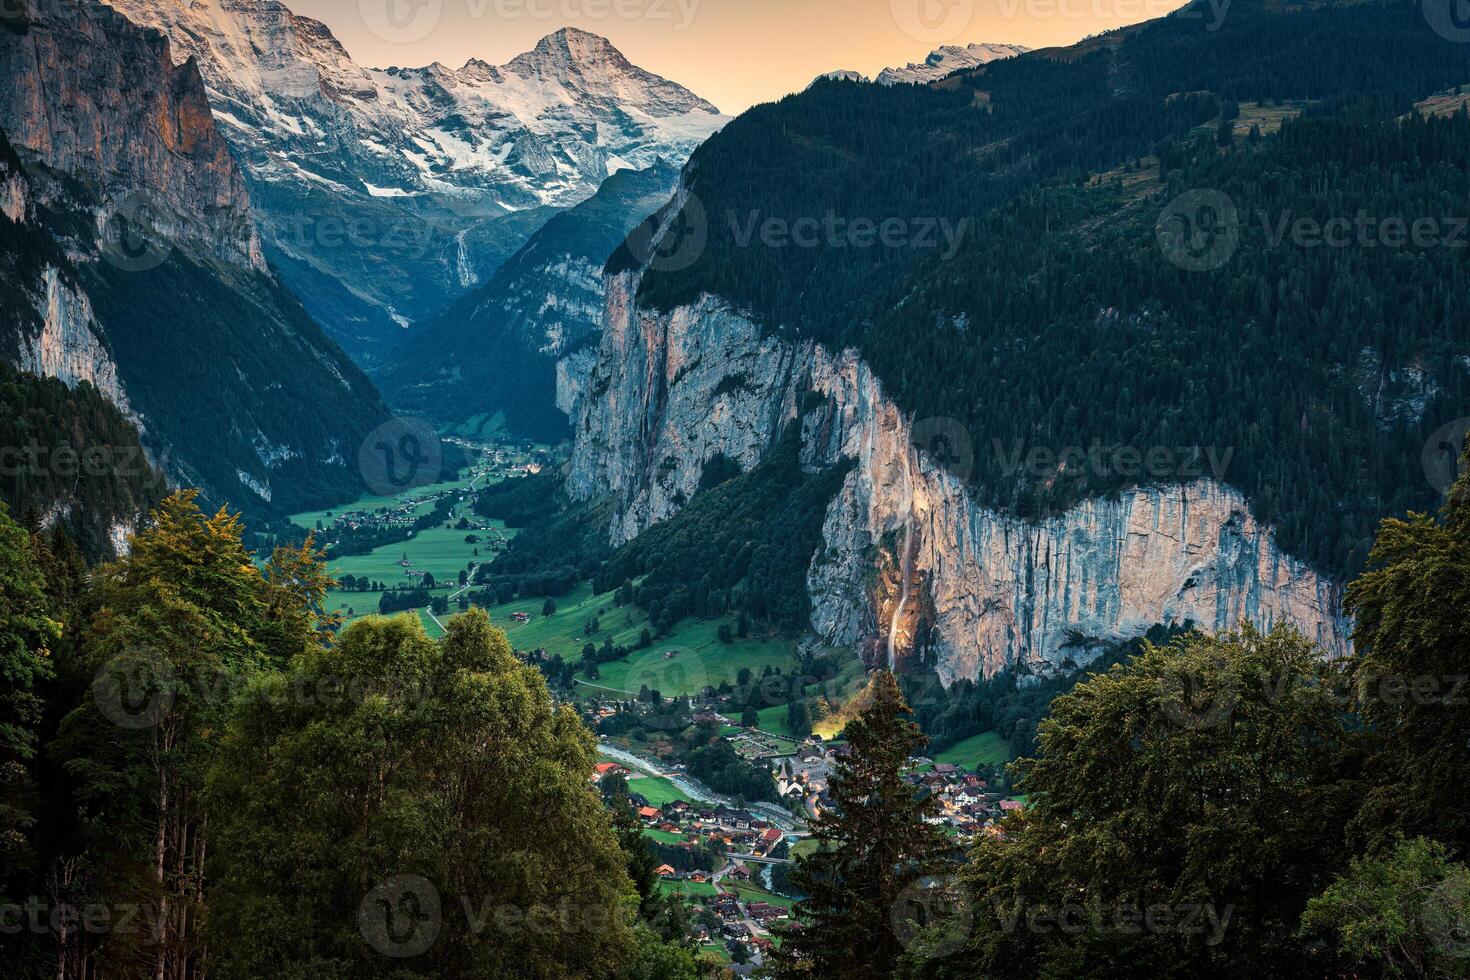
733,52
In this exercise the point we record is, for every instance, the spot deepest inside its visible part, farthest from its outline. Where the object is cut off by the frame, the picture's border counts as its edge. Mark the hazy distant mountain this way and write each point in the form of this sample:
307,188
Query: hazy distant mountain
383,194
499,349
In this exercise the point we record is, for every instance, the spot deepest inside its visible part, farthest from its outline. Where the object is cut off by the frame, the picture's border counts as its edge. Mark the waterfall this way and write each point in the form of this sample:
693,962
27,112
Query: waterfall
905,563
467,275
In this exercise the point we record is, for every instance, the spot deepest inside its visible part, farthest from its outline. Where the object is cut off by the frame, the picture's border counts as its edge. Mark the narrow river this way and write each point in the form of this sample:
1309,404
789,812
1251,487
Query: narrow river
696,790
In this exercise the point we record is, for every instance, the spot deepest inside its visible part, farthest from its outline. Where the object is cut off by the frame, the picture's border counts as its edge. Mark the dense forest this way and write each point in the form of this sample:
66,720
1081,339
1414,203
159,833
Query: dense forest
743,544
165,721
1313,374
71,457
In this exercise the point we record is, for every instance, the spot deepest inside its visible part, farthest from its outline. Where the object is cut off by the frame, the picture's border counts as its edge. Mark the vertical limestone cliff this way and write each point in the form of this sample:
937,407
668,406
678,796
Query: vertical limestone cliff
68,346
91,95
909,559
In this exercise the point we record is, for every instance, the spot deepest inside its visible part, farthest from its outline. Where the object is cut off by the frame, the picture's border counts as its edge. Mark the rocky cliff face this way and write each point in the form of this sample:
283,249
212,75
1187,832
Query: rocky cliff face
69,346
130,261
91,95
911,566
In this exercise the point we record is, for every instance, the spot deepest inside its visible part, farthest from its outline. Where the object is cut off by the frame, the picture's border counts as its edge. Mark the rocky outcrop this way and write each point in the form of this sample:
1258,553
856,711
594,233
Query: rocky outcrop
946,61
69,347
89,94
908,555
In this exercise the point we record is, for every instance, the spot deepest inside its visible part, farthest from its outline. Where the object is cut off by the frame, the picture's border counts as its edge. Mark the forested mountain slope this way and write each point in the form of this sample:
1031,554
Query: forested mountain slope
1038,292
133,265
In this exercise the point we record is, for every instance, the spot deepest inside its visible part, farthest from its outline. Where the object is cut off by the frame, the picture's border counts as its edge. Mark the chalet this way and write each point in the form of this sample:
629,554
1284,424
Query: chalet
604,768
1010,806
665,871
770,838
647,813
740,872
764,911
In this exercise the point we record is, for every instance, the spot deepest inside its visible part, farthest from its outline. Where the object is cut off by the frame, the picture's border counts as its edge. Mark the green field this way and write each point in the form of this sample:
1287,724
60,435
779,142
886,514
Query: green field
662,836
656,790
751,892
985,749
440,551
686,889
699,658
690,658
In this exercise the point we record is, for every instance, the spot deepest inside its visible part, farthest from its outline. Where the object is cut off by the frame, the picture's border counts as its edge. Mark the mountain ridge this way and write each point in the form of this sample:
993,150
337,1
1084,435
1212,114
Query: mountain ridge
383,193
133,266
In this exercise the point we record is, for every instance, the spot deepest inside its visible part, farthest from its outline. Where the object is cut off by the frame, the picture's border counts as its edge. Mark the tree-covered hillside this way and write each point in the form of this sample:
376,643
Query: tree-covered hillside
69,456
1057,321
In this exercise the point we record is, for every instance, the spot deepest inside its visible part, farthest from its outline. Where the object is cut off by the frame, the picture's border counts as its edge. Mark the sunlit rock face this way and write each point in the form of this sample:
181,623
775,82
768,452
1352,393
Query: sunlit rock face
672,389
89,94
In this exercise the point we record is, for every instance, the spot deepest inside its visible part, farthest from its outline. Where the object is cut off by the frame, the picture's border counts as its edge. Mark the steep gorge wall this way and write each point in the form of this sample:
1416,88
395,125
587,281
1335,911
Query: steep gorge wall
93,96
68,346
672,390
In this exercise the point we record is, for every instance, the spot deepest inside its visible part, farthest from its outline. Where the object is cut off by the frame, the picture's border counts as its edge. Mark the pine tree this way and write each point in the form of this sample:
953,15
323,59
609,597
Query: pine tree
874,846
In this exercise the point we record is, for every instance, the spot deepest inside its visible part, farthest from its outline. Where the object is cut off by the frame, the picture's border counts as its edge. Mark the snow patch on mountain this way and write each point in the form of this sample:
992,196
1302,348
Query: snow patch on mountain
946,61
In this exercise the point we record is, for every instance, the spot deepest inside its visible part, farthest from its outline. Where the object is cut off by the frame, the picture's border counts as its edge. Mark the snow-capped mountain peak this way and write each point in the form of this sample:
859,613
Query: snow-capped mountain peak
946,61
423,156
